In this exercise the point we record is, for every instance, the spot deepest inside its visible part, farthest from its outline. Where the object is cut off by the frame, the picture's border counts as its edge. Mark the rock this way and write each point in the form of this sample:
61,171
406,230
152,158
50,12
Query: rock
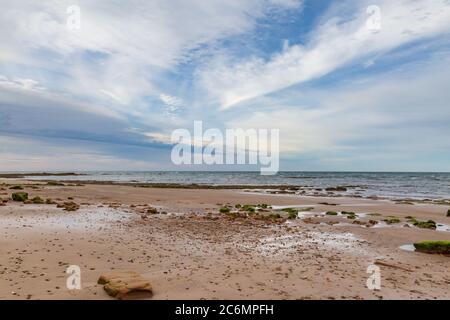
20,196
18,187
49,201
338,188
125,284
152,210
392,220
55,183
69,206
430,224
37,200
448,213
224,210
436,247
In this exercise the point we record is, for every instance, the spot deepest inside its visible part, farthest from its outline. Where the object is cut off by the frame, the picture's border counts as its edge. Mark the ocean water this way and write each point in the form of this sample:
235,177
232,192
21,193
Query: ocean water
383,184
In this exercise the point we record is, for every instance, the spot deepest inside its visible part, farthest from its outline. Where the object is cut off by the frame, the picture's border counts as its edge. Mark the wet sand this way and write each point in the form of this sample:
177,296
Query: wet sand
190,254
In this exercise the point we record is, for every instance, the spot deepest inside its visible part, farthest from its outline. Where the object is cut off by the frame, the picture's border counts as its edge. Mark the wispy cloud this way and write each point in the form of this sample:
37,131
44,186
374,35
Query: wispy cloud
333,44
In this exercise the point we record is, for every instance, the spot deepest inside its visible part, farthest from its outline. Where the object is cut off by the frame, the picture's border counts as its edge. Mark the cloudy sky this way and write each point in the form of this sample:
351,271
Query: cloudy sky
347,90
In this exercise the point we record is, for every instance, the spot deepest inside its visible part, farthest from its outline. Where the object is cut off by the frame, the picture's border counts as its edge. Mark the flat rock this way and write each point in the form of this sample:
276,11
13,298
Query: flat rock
126,285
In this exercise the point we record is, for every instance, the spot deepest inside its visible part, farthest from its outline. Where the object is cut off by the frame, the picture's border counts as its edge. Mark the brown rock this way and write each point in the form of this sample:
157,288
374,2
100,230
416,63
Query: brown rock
126,284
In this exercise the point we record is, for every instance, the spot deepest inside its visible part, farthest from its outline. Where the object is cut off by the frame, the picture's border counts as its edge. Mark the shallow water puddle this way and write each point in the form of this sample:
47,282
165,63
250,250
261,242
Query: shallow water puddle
408,247
442,227
90,217
346,242
294,206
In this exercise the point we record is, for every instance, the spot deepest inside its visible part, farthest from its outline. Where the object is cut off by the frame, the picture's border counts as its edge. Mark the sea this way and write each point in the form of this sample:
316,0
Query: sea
415,185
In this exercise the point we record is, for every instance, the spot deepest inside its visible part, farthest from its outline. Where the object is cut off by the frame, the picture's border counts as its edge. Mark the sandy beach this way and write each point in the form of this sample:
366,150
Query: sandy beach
190,250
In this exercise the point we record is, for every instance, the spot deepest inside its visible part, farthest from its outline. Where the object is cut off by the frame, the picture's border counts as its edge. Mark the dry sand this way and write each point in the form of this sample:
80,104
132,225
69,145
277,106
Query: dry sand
188,254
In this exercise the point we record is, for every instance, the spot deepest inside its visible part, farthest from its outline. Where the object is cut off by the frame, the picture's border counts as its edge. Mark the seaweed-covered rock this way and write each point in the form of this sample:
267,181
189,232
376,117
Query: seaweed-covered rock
392,220
292,215
349,214
448,213
55,183
49,201
17,187
430,224
38,200
152,210
338,188
20,196
224,210
437,247
69,206
248,208
331,213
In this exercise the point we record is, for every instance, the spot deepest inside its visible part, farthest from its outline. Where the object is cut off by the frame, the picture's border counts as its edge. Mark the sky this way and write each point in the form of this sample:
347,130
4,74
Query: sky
351,85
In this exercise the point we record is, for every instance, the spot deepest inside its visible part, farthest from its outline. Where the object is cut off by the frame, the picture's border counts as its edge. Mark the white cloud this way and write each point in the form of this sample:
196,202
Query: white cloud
31,154
134,42
394,113
20,83
335,43
172,103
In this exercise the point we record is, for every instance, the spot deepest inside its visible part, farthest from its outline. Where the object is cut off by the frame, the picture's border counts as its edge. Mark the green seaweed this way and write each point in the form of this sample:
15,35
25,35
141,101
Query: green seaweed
374,214
430,224
248,208
436,247
55,183
38,200
292,215
392,220
224,210
20,196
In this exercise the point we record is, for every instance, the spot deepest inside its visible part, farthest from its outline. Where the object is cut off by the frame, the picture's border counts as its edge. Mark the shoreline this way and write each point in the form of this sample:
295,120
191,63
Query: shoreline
268,189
